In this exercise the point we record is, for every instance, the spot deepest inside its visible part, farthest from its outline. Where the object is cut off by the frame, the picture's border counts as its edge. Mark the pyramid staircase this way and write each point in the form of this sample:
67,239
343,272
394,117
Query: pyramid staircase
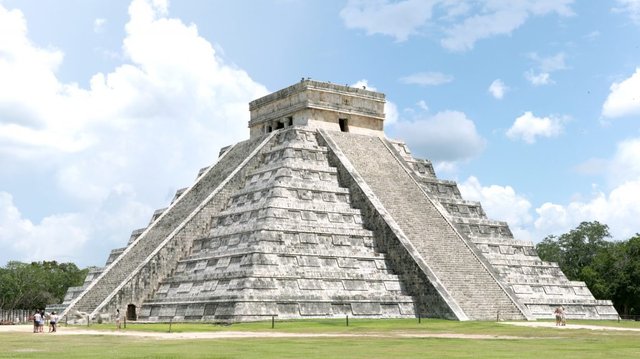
468,282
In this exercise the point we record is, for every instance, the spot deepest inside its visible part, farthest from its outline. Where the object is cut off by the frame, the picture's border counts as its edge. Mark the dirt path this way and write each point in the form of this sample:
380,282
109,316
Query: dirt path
570,326
27,329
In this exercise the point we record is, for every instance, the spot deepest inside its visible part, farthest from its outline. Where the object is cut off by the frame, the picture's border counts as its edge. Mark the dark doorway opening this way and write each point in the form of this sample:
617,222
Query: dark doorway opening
279,125
344,124
290,121
131,312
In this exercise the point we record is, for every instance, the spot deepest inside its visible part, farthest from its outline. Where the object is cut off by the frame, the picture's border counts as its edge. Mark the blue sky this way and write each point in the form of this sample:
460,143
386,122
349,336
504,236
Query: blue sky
108,107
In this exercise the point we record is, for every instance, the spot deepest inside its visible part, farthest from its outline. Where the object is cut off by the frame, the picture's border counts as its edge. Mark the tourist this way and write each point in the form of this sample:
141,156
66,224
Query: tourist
559,314
36,321
41,323
118,318
563,320
53,321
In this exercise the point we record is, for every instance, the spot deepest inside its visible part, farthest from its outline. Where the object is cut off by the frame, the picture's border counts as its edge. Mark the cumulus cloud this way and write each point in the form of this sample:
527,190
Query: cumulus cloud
390,108
396,19
538,79
499,18
528,127
616,206
20,238
544,66
498,89
67,236
624,97
165,111
624,166
629,7
448,136
427,79
501,203
619,209
461,24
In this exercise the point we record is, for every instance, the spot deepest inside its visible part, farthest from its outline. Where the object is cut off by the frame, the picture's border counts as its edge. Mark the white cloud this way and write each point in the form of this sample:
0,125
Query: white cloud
98,25
423,105
166,111
499,18
544,66
427,79
550,63
624,97
616,207
619,209
447,136
538,79
396,19
527,127
461,23
364,84
629,7
20,238
501,203
498,89
625,164
391,113
69,236
390,108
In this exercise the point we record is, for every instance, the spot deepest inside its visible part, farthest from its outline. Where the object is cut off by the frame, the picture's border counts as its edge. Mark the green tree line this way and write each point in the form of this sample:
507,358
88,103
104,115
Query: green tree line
611,269
34,285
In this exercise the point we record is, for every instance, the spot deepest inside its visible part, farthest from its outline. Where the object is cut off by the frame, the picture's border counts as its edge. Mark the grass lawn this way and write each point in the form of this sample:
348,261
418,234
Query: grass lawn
531,342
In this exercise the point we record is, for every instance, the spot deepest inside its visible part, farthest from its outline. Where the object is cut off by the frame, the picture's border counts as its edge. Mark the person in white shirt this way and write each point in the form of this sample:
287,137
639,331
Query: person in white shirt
53,322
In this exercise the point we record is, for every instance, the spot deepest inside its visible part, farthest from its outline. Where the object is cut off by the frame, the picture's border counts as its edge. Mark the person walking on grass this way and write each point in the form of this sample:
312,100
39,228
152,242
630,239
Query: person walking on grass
53,322
559,313
118,319
36,321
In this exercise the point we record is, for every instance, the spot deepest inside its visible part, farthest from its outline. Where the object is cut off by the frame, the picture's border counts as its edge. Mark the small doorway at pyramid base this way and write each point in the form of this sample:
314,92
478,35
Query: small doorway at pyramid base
131,312
344,124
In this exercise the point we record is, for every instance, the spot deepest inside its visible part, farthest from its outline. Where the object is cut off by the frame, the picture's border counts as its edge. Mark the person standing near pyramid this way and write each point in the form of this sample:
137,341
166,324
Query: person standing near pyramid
117,319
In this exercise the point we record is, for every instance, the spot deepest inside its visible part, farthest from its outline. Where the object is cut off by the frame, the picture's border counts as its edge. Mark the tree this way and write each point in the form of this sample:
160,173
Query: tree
577,249
549,249
626,291
36,284
611,270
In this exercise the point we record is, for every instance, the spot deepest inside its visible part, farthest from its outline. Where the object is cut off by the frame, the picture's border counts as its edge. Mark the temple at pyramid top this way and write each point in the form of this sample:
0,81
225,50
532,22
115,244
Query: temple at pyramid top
319,105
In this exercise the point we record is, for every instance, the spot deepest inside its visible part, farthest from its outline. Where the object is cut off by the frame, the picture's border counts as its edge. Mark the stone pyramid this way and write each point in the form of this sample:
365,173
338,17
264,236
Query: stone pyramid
319,215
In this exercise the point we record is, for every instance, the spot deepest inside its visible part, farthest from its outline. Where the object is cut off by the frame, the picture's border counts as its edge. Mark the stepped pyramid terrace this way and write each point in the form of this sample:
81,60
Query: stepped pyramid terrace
318,214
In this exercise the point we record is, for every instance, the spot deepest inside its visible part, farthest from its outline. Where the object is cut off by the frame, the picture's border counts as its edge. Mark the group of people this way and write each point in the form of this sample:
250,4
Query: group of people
40,317
561,319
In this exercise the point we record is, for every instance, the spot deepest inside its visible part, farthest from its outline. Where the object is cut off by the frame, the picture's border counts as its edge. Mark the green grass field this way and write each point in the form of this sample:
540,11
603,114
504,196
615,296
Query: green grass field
362,339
